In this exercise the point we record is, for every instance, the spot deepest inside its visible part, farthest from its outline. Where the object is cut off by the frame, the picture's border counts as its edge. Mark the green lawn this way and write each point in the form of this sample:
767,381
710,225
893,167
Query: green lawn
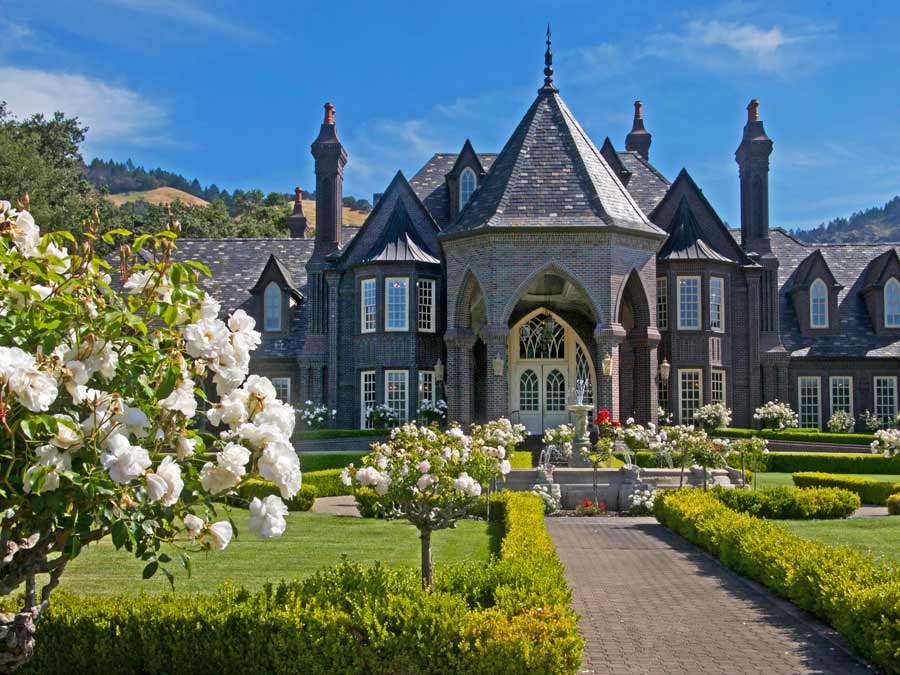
879,536
779,479
312,541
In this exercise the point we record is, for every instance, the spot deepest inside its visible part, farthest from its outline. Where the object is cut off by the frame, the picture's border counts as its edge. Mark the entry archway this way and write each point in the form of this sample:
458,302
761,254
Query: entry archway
635,363
547,361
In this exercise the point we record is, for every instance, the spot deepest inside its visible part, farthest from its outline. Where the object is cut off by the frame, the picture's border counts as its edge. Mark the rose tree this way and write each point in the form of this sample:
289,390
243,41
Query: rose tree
429,477
99,392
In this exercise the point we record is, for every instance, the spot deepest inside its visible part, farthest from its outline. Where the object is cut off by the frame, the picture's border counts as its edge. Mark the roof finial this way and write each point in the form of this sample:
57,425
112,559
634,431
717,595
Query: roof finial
548,64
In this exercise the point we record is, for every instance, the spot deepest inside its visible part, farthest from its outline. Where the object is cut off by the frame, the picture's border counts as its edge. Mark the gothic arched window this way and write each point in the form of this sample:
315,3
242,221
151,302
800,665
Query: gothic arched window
467,184
272,308
892,303
818,305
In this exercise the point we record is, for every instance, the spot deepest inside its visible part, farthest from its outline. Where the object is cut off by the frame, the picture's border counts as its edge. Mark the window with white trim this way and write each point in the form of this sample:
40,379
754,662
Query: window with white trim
272,307
368,388
396,395
426,305
688,303
717,304
427,389
892,303
690,394
662,303
282,388
885,387
841,387
818,305
396,314
467,184
809,401
717,386
368,305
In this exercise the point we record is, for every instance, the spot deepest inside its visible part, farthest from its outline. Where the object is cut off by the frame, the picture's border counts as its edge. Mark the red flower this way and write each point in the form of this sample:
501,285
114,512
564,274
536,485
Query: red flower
601,507
587,503
602,417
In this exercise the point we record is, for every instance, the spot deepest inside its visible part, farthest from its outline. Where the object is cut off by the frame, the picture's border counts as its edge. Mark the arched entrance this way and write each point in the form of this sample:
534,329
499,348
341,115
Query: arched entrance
635,376
548,361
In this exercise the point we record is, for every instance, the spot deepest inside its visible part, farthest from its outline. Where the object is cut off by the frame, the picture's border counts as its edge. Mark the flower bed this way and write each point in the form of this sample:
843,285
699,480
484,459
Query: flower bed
869,491
843,587
511,615
788,503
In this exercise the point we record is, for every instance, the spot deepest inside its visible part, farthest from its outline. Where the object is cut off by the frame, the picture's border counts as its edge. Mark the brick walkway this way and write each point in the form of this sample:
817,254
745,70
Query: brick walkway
652,604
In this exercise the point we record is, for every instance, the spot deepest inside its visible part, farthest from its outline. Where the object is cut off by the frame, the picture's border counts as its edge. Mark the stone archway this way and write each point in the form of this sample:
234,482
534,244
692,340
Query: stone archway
637,354
466,355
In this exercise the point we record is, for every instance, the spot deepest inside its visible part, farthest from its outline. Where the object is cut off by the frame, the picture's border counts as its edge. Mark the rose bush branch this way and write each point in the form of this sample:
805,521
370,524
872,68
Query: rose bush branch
100,388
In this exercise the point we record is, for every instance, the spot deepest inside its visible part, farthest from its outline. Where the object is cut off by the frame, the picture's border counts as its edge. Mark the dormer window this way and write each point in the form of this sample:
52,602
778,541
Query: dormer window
818,305
272,308
467,185
892,303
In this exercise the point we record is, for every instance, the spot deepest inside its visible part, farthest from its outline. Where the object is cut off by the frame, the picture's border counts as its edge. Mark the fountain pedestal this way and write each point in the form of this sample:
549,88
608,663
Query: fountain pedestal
582,434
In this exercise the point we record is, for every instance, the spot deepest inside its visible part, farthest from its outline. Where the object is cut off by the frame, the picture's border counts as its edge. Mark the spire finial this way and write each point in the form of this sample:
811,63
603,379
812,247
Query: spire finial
548,64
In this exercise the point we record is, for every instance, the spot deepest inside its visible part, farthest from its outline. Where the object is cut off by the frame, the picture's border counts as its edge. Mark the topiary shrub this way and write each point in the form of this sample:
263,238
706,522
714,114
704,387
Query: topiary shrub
869,491
368,502
893,504
784,503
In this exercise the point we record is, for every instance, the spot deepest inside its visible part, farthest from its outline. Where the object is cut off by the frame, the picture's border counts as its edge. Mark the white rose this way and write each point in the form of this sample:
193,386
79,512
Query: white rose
278,414
425,481
229,379
383,485
134,420
345,477
259,435
165,484
124,461
232,409
505,467
215,479
206,338
234,458
368,476
279,463
47,455
209,307
184,447
66,436
25,234
35,389
267,517
181,400
193,524
424,466
221,534
467,485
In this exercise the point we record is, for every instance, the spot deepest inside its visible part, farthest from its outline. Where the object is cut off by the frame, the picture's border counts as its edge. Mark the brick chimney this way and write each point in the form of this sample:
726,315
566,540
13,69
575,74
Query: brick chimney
639,139
296,222
752,157
330,158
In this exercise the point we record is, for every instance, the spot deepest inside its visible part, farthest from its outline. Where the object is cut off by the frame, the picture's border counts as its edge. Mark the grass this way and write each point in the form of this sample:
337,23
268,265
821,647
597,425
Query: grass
780,479
879,536
320,461
312,541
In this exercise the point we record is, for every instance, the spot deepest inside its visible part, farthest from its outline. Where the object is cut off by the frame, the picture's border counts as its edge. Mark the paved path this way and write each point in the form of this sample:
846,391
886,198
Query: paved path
336,506
870,512
652,604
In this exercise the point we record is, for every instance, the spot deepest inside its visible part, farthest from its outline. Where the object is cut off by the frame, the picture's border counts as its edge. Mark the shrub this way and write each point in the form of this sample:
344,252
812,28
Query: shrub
506,616
320,461
327,483
840,585
368,502
893,504
326,434
869,491
713,416
797,435
314,417
841,422
784,462
788,503
776,415
257,487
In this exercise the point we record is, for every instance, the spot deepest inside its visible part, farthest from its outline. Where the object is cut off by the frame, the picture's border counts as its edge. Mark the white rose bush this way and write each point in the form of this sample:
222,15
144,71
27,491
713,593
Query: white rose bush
101,385
776,415
432,477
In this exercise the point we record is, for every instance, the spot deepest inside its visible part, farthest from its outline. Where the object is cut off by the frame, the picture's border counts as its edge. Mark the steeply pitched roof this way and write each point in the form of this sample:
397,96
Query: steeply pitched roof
647,185
879,271
430,185
848,263
685,240
398,229
280,270
550,173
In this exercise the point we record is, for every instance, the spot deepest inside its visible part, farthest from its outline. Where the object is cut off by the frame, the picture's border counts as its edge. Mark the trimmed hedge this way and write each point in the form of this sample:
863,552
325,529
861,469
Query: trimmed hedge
799,435
326,434
257,487
321,461
840,585
327,483
869,491
509,615
783,503
789,462
893,504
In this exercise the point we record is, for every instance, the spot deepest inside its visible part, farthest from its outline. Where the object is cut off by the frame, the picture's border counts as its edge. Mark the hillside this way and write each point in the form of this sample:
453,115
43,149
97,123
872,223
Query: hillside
161,195
351,216
877,224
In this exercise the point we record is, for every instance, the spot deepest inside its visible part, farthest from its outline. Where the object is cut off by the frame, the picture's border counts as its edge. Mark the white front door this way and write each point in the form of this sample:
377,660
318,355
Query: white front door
541,395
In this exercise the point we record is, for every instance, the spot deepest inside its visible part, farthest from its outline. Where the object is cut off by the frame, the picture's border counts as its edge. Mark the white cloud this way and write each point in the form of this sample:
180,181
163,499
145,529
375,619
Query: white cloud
725,44
113,113
590,64
188,12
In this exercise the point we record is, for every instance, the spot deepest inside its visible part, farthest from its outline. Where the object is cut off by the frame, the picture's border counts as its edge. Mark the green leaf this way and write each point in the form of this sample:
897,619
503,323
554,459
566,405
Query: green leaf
150,570
165,558
185,561
119,534
73,546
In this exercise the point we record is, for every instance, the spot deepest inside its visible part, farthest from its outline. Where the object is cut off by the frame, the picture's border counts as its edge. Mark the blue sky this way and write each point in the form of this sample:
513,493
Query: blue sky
232,92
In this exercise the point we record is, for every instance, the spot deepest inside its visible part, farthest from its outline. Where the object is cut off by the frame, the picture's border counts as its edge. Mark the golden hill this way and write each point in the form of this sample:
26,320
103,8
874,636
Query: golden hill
351,217
162,195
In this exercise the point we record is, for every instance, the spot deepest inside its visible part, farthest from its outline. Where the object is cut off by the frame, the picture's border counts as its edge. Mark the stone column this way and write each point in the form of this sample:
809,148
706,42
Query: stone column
496,339
458,375
607,339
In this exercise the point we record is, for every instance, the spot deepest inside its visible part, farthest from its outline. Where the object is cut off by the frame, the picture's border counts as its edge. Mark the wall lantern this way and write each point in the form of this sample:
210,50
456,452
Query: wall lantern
439,371
607,364
665,369
498,364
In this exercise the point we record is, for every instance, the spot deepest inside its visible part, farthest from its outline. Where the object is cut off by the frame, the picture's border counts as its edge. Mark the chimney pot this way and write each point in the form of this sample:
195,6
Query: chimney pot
753,111
329,114
638,113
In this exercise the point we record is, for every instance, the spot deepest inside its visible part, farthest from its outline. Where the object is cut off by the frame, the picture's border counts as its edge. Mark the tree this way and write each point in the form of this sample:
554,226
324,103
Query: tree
98,410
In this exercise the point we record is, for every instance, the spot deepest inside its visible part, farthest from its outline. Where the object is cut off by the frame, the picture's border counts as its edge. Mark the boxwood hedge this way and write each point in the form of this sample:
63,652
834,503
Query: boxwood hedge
509,615
783,503
844,587
789,462
798,435
869,491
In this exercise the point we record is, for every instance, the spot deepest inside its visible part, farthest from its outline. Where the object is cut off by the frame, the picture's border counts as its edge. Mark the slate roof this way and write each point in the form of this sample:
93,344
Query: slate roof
647,185
430,186
550,173
400,242
685,240
850,265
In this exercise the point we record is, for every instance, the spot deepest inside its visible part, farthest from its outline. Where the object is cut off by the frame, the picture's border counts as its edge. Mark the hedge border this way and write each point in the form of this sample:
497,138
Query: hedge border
784,503
844,587
827,462
869,491
797,435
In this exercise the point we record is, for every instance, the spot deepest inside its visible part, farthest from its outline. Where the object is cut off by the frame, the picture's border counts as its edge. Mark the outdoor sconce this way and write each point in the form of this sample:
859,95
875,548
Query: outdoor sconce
665,369
439,371
497,364
607,365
